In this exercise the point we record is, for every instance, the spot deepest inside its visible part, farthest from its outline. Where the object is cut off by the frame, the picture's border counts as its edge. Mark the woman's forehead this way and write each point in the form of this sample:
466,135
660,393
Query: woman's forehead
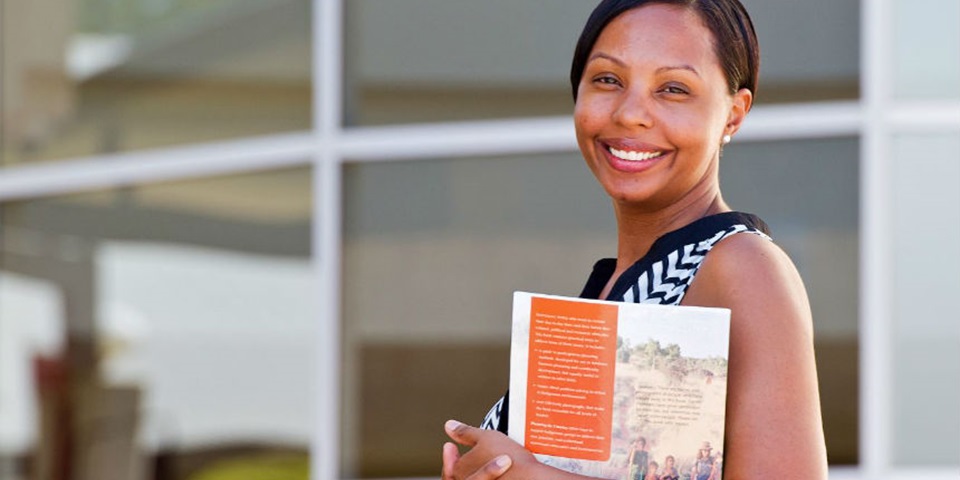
658,33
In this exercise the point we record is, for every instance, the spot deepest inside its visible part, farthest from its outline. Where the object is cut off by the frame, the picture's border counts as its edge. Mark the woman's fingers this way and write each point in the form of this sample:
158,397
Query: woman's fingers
493,469
450,456
470,436
462,433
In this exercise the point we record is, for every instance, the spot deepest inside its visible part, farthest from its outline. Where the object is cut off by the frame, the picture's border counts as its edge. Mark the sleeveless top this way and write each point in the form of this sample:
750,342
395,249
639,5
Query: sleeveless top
661,277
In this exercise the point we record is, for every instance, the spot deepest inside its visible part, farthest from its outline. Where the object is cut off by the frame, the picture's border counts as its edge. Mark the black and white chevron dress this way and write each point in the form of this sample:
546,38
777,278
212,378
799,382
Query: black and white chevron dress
661,277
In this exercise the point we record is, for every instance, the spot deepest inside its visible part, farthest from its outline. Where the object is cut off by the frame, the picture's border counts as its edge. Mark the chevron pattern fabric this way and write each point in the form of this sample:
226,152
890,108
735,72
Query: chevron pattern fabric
492,420
666,281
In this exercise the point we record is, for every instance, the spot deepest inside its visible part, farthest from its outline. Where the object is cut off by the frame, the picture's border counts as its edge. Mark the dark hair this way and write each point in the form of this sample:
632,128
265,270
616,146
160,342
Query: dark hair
735,41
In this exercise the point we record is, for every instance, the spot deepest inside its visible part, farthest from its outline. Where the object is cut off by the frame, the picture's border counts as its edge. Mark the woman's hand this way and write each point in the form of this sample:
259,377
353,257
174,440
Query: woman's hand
490,471
492,455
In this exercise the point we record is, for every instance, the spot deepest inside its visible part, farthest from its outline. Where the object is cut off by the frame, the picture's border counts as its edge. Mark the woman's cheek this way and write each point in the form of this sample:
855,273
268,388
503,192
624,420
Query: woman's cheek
684,127
587,124
594,107
582,115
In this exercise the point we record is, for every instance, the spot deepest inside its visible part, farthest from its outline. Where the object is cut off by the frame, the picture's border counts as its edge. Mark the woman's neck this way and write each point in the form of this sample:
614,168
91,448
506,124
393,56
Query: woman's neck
638,228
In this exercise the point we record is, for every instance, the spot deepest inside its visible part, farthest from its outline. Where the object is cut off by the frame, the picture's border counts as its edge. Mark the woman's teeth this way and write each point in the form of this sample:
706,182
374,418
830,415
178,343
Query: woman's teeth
633,156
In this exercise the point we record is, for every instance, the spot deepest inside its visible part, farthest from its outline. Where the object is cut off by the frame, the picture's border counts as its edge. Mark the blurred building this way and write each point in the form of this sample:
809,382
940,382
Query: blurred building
241,238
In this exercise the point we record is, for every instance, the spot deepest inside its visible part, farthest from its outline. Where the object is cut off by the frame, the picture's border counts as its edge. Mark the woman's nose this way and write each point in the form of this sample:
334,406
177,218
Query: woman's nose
634,110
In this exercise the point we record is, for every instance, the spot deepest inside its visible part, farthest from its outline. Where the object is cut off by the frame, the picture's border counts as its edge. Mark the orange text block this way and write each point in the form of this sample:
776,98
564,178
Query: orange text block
573,347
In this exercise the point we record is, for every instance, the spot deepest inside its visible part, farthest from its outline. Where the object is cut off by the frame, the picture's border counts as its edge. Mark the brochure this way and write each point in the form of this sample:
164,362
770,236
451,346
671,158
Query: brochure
619,390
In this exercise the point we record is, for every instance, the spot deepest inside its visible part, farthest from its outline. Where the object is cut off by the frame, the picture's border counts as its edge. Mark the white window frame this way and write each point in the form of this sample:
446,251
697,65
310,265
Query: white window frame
874,119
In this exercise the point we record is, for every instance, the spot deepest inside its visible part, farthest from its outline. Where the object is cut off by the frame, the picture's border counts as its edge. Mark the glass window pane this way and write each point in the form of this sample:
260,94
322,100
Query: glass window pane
172,323
927,49
432,253
926,335
437,60
443,244
809,50
433,60
808,191
93,76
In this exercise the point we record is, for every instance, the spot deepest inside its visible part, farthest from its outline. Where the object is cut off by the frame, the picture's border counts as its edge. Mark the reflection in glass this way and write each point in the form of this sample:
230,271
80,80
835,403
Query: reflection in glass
92,77
433,251
465,60
504,58
161,331
926,334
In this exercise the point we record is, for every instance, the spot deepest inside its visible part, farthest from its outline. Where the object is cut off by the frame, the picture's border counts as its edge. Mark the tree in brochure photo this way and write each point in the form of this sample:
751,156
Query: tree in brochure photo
619,390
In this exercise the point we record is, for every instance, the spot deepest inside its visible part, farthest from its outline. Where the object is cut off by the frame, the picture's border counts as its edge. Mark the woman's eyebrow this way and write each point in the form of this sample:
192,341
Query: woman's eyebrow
623,64
611,58
679,67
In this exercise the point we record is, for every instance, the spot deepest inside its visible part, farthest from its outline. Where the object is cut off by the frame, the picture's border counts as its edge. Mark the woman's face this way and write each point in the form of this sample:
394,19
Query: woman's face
653,105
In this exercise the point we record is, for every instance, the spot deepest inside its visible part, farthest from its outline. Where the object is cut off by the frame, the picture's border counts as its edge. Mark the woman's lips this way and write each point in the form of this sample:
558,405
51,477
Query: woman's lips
632,158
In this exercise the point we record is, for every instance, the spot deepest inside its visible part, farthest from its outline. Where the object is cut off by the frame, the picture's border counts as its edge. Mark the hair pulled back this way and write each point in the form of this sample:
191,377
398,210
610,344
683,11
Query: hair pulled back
734,39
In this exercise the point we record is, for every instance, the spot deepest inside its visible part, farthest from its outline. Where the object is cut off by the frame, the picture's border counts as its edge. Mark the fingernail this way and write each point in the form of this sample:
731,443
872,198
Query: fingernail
502,462
452,424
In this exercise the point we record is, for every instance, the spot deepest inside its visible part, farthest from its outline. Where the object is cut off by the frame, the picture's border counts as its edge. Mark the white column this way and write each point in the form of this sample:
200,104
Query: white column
875,261
327,74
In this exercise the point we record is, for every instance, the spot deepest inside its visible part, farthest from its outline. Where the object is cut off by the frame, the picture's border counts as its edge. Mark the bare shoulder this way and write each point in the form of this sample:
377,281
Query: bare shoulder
756,279
746,264
773,411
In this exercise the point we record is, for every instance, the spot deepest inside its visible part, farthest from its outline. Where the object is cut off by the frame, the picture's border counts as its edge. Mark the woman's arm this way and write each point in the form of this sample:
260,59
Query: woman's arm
773,422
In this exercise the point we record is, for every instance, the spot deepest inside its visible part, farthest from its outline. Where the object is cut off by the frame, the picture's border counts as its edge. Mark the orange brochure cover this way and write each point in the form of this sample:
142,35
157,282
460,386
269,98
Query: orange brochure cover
619,390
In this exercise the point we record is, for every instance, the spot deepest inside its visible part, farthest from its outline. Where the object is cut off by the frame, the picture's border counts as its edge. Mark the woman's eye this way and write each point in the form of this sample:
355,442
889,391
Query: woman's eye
607,80
674,89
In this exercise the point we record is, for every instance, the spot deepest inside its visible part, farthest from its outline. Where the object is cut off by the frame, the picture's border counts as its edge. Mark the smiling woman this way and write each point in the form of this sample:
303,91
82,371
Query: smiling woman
654,70
660,87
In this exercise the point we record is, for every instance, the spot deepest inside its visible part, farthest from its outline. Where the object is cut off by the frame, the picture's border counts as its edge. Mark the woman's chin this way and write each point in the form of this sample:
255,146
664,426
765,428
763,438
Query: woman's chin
634,201
630,194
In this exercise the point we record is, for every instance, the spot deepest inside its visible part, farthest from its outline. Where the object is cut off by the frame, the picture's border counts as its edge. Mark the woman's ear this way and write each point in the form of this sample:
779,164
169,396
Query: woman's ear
742,102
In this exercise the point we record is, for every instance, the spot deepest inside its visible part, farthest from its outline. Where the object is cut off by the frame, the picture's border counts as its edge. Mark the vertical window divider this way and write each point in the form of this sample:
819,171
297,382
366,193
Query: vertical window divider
327,40
875,244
